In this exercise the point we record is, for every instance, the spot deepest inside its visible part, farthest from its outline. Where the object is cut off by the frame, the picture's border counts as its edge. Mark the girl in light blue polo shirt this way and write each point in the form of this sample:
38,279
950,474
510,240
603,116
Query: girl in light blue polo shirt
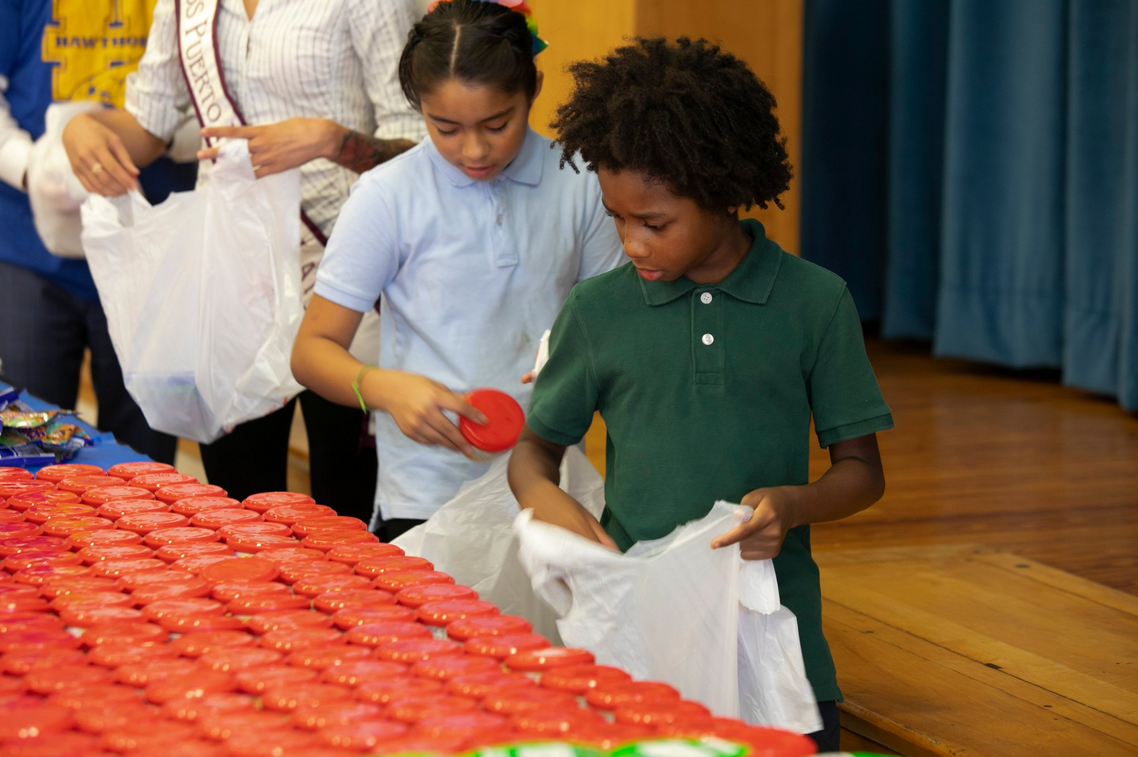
473,238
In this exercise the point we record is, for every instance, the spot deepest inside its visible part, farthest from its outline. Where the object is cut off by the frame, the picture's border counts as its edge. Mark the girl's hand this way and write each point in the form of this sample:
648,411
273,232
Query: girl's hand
98,157
274,148
761,537
417,404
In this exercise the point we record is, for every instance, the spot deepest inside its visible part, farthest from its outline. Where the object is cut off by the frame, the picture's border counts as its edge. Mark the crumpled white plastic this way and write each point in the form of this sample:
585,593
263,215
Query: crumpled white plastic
673,609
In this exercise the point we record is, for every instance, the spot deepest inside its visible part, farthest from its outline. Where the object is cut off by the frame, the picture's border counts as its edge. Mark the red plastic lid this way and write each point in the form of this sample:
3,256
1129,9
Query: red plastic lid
22,604
10,530
253,528
291,639
505,420
231,590
333,655
326,541
267,603
25,560
396,581
119,568
155,578
154,481
18,662
28,620
660,713
39,496
538,660
418,743
310,694
319,716
180,550
195,564
386,691
294,571
198,605
222,517
488,682
14,545
40,514
56,473
350,554
188,623
376,634
140,635
94,695
198,643
422,594
579,679
29,717
453,666
253,734
91,538
49,680
415,709
350,617
476,727
308,526
410,651
254,543
66,526
609,736
87,616
12,473
114,654
447,611
239,569
138,738
190,710
501,647
82,599
104,494
353,673
556,723
334,601
363,735
57,587
234,660
517,700
282,556
117,508
37,639
11,490
311,586
98,553
268,500
174,492
183,535
189,686
289,514
41,574
127,471
612,696
81,484
191,506
111,716
144,523
66,743
271,621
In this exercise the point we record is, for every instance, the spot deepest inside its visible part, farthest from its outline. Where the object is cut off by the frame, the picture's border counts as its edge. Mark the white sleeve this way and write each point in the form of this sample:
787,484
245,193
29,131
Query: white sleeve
15,144
156,93
363,253
379,33
601,248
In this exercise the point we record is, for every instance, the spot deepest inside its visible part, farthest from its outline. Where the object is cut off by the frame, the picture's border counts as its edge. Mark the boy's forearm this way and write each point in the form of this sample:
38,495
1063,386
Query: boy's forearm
534,472
849,486
144,147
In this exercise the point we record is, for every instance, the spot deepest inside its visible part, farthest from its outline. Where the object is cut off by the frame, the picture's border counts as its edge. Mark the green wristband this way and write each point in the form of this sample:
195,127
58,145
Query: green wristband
356,386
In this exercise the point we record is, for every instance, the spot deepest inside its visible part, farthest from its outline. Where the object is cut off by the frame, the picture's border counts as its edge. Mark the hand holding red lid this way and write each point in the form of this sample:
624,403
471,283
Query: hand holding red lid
416,403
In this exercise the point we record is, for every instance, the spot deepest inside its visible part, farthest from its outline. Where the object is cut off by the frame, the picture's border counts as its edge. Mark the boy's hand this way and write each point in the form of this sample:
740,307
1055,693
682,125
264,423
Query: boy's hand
760,538
559,509
98,157
417,404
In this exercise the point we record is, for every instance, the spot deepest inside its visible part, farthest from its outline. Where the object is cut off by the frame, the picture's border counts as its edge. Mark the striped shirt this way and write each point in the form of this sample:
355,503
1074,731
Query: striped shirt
334,59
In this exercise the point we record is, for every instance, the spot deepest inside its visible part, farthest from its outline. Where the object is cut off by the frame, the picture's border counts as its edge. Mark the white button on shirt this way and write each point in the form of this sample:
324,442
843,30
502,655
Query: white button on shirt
335,59
705,298
708,339
465,299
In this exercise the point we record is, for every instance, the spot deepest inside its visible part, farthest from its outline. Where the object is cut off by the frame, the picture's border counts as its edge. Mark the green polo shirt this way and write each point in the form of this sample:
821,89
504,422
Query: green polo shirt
707,392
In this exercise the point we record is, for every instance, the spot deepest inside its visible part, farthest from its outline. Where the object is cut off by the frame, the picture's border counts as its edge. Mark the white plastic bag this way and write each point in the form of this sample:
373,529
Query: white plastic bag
706,621
202,295
472,538
54,192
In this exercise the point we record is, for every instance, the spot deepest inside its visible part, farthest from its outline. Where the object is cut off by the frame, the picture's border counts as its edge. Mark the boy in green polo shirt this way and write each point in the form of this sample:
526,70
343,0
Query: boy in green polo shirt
708,353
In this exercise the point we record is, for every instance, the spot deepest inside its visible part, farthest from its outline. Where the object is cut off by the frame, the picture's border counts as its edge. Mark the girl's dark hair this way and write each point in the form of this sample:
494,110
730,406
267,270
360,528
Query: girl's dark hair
684,113
472,41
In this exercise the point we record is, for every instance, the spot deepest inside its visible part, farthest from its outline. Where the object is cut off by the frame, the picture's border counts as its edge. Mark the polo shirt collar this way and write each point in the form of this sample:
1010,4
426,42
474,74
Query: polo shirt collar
751,281
525,168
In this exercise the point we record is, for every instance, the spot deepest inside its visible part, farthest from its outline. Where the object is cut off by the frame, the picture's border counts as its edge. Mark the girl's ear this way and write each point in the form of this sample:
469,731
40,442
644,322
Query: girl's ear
537,89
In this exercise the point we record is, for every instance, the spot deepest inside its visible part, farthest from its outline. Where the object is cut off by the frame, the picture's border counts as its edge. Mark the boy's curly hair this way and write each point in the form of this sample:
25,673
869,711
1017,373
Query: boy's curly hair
684,113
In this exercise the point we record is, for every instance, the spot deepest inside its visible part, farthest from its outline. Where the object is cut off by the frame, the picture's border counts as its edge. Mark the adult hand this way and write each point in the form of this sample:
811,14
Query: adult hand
417,404
761,536
274,148
98,157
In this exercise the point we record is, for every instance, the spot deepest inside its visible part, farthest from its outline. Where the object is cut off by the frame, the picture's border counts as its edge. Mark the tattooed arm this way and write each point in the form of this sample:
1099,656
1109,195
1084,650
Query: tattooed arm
361,152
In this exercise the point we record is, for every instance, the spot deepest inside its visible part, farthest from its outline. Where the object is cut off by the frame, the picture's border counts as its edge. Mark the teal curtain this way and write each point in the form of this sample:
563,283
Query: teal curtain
979,188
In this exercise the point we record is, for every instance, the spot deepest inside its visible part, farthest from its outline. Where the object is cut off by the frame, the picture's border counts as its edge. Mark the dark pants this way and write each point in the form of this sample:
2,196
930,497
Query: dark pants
827,739
390,530
43,332
254,457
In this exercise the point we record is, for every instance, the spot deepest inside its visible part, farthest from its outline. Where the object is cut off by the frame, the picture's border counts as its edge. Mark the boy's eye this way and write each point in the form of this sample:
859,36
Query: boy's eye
611,214
653,228
446,133
498,128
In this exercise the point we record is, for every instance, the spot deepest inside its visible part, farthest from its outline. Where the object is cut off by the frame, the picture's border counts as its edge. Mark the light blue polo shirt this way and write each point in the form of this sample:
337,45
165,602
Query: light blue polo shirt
471,273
